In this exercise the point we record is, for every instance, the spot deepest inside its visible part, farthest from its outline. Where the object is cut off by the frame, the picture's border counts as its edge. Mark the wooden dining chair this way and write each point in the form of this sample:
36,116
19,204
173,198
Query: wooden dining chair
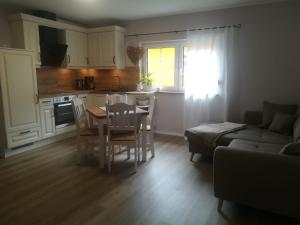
87,137
122,130
115,98
149,126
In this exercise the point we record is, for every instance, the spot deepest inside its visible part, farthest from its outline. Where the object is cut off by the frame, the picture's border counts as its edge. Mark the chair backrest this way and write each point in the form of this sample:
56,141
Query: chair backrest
152,107
116,98
121,117
80,115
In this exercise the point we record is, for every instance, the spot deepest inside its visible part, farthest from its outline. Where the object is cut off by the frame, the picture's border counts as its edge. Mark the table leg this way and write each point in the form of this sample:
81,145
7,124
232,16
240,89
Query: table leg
101,144
144,150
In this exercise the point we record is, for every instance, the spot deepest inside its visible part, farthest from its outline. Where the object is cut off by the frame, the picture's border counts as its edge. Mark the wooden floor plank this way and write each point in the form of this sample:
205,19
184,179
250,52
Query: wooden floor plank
47,187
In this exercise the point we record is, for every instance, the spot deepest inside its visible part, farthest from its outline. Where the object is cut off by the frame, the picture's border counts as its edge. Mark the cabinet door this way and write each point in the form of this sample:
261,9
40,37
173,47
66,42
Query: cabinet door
107,41
99,100
32,39
94,49
19,90
47,121
119,50
83,50
26,35
77,49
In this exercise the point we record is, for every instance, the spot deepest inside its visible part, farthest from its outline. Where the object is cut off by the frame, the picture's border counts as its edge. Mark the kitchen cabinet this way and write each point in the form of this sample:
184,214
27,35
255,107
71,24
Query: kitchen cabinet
107,44
25,35
20,138
19,96
106,48
94,49
99,99
77,52
47,117
99,48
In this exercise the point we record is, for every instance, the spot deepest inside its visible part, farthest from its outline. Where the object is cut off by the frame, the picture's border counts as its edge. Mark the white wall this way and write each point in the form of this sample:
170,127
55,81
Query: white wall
269,54
169,113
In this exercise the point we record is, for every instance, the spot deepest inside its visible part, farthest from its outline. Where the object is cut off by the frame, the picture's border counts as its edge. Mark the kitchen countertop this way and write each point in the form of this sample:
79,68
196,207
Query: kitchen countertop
77,92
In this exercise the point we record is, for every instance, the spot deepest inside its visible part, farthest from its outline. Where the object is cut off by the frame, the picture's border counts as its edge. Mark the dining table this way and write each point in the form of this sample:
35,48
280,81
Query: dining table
98,114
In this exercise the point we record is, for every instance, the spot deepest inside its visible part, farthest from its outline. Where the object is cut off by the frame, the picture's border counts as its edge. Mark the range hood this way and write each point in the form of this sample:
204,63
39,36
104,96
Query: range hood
53,49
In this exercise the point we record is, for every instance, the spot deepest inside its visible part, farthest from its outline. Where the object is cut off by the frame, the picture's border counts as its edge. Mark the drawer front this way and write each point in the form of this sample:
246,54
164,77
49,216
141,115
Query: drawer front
20,138
46,102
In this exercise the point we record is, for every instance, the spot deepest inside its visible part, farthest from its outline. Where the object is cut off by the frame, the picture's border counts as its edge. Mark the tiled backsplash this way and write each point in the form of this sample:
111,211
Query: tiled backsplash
53,80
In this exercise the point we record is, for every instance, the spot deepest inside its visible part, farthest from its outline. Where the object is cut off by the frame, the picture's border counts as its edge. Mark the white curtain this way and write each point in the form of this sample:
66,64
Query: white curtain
211,79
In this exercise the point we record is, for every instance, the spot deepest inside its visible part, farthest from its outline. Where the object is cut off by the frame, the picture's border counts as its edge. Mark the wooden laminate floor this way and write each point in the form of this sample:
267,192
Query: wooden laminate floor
47,187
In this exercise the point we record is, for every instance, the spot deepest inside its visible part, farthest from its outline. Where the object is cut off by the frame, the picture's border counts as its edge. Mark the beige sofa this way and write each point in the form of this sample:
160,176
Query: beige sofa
253,171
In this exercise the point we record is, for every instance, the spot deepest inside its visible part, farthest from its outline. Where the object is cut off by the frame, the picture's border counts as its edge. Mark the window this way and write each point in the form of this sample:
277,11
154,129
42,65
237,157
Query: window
165,61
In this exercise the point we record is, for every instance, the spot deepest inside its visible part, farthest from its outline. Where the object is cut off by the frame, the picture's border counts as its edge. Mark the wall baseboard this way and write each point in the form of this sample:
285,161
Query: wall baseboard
168,133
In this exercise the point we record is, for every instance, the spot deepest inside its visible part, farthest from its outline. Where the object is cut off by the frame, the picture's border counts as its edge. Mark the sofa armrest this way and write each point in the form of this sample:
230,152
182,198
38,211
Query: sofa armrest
253,118
258,179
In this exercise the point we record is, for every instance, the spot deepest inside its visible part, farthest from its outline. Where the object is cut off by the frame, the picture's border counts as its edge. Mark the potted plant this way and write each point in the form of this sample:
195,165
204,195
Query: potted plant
146,81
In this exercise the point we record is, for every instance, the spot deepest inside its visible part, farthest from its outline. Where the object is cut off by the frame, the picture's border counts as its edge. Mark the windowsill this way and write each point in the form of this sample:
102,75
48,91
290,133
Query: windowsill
170,91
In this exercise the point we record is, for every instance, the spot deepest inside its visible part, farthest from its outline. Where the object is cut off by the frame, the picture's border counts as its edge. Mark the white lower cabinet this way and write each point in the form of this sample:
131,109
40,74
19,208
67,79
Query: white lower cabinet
99,99
19,98
20,138
47,117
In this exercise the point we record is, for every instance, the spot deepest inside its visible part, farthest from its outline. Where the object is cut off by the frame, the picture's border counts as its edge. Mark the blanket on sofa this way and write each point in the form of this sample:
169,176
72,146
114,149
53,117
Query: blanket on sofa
210,133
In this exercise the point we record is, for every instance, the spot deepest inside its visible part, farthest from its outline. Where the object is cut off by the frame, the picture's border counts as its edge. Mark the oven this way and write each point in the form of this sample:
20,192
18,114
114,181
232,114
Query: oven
63,111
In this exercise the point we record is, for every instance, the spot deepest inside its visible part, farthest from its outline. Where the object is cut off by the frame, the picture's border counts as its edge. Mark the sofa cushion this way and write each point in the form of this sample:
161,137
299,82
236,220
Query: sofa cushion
296,131
291,149
254,133
270,109
255,146
283,123
274,138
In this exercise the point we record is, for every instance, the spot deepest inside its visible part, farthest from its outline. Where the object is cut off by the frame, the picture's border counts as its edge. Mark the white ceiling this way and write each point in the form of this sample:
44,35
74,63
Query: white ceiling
91,11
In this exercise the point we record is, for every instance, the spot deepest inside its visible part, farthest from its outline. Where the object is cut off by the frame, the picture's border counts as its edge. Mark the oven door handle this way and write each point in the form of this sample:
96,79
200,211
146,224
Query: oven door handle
65,104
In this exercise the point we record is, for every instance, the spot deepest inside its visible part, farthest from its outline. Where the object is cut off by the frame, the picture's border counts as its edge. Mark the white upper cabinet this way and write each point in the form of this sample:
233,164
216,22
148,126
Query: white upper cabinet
19,90
99,48
25,35
94,50
106,48
77,53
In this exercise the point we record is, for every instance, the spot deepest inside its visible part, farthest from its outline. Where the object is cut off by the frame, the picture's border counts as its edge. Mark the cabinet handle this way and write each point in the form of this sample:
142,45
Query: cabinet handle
69,59
36,99
52,113
114,59
25,132
39,56
46,101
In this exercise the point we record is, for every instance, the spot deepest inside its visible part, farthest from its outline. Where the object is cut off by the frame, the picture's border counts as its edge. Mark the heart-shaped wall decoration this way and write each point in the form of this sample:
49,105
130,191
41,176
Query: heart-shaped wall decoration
135,53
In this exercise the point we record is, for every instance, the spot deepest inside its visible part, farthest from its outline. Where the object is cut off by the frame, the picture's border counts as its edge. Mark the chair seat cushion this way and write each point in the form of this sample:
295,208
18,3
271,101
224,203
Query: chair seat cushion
255,146
128,136
89,132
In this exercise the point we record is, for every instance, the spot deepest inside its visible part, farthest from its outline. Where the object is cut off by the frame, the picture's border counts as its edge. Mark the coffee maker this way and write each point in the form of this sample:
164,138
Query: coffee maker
89,82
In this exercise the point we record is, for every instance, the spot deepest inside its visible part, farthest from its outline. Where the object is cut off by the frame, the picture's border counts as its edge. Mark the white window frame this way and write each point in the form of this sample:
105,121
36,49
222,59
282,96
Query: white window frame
179,61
